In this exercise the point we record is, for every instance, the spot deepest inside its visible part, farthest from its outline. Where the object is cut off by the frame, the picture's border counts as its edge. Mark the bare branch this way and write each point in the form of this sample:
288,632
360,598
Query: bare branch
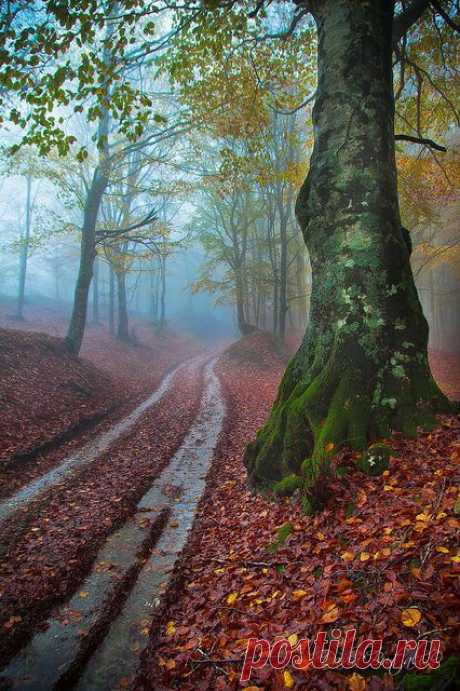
420,140
403,22
105,234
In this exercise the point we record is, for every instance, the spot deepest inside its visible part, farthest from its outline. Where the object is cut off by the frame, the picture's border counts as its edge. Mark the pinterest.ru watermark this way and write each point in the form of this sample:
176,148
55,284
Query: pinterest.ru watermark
339,650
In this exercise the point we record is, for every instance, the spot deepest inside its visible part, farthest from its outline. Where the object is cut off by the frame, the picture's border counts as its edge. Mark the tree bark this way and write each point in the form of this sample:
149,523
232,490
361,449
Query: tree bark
76,328
111,299
123,323
283,299
24,254
96,291
362,369
161,297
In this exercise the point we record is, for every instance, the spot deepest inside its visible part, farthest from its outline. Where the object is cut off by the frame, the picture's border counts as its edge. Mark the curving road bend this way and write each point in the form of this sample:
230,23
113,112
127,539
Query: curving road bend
117,599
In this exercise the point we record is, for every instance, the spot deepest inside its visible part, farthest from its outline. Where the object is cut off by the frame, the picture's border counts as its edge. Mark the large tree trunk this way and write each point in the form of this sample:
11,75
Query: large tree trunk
24,254
362,369
76,328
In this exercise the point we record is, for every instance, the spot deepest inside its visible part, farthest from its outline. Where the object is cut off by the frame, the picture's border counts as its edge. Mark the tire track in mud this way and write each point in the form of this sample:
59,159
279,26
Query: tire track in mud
89,453
118,606
66,525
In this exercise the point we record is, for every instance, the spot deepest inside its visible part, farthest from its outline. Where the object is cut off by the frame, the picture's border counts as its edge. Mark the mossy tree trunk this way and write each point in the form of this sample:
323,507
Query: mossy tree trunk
362,369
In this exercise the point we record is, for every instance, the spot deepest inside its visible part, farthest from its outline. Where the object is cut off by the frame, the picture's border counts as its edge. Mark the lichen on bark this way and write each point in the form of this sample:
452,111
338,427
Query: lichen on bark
362,370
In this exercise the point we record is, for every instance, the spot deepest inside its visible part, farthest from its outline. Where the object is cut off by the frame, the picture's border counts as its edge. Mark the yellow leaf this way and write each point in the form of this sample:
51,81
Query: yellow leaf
364,556
298,594
293,639
347,556
388,531
329,447
288,679
330,616
456,559
170,628
441,515
219,570
320,535
411,616
442,550
356,682
420,526
423,517
232,598
388,488
83,593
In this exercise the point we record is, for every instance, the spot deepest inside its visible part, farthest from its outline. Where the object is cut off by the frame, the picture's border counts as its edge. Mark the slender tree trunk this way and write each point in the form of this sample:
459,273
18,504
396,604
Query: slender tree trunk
96,291
24,254
123,323
275,304
362,369
162,317
76,328
57,292
243,325
111,299
283,301
153,294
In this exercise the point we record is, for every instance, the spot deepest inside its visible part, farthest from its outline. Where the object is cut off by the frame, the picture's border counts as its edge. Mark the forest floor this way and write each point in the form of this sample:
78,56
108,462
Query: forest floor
52,402
381,546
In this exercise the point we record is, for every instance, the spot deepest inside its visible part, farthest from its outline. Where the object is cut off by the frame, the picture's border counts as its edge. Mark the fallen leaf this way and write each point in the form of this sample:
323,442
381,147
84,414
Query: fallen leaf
411,616
288,679
330,616
347,556
356,682
298,594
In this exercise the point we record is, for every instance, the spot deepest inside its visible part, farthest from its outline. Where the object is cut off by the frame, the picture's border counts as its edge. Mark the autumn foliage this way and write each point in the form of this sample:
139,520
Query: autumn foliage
381,557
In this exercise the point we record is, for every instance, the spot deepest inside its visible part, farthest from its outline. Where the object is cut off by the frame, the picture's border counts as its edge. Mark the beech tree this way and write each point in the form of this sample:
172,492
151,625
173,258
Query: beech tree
362,370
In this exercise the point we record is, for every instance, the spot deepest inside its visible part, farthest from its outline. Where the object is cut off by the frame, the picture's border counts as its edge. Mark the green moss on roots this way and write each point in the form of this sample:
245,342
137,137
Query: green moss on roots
341,406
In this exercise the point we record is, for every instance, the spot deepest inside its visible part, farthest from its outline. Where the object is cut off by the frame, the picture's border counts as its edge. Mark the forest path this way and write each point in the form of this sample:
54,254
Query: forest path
101,519
116,605
89,453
